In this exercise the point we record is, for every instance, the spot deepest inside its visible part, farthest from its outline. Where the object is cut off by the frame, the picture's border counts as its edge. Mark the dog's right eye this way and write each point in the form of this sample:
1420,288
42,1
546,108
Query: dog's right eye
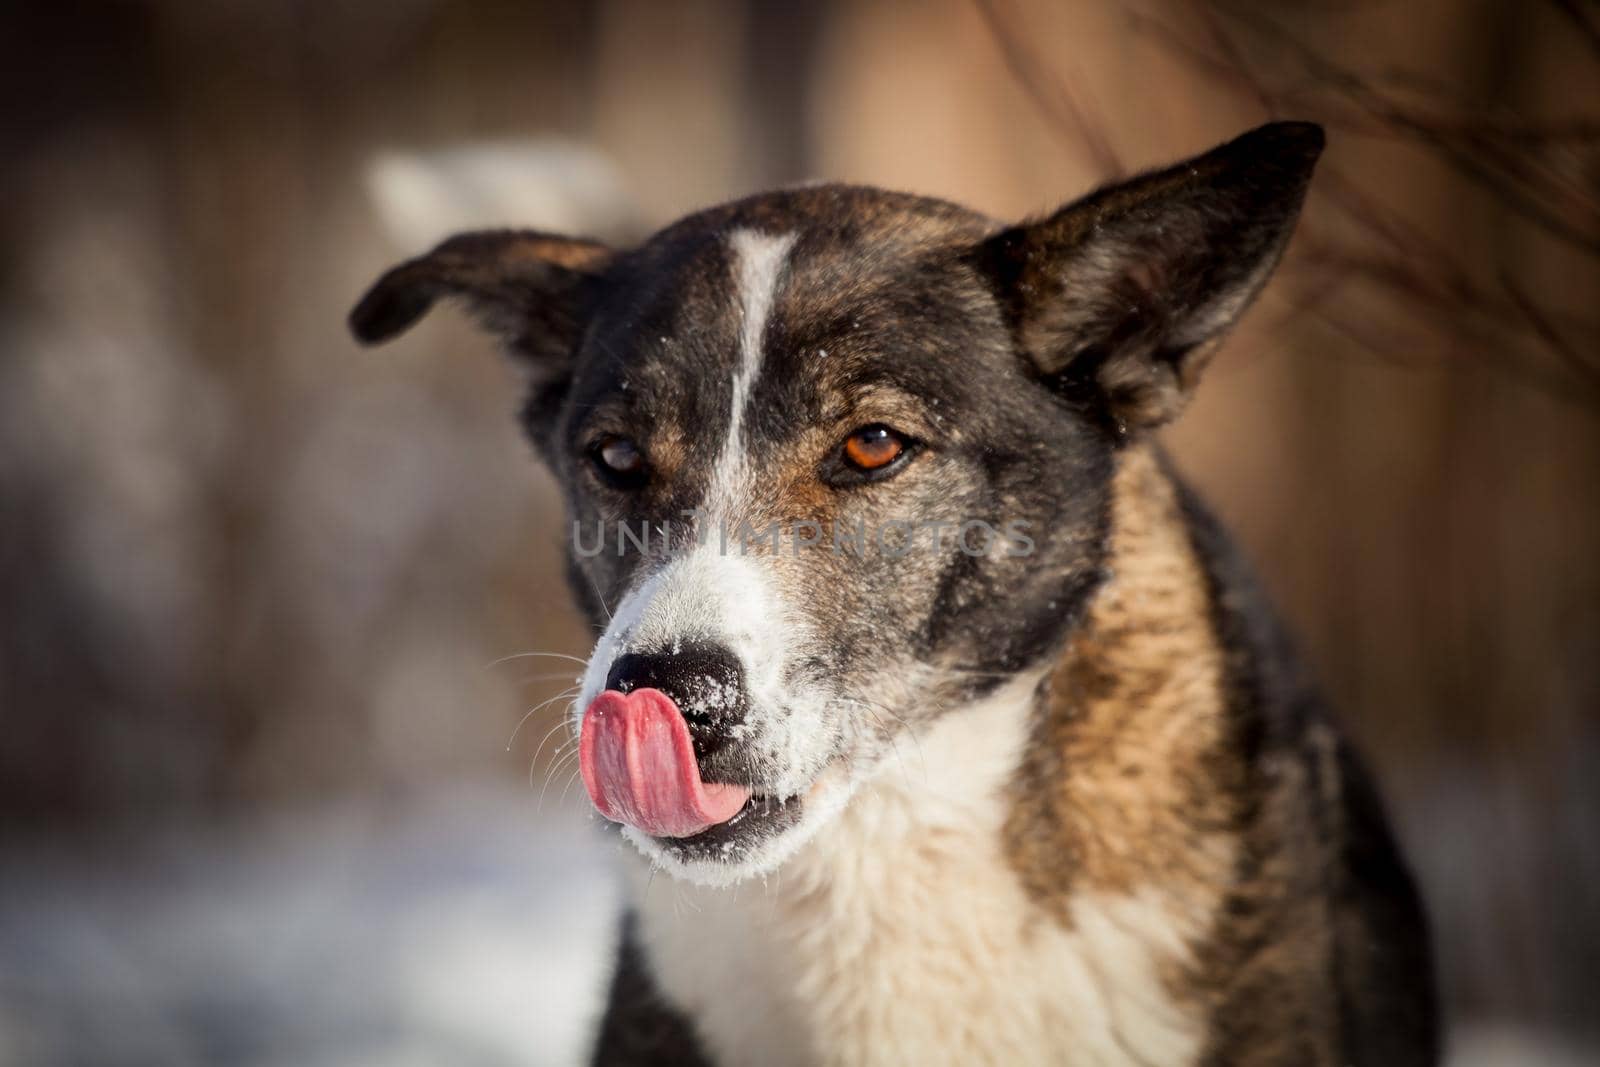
873,447
619,460
872,453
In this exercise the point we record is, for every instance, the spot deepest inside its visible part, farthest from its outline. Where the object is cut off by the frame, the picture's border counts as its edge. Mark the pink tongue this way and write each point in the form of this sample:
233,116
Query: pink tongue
638,764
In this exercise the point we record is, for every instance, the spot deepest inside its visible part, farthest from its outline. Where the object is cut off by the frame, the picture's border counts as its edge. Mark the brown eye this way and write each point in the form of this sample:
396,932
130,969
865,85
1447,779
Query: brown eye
873,448
619,457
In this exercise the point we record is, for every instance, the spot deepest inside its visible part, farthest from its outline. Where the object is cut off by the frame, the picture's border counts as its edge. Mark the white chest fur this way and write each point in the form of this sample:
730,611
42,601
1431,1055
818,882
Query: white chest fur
901,936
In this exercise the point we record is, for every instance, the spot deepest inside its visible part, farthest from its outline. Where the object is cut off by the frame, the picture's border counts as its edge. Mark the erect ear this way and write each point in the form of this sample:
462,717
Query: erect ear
533,290
1119,299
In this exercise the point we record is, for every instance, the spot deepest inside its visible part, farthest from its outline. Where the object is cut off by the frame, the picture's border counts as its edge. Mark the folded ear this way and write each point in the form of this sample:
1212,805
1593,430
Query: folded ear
533,290
1119,299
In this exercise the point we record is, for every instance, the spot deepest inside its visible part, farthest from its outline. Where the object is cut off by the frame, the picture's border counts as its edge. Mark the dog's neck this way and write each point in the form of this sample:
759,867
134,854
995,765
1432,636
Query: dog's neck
1128,777
1043,837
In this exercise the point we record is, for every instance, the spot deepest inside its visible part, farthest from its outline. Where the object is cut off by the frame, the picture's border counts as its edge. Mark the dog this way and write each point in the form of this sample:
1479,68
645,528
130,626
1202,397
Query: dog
951,719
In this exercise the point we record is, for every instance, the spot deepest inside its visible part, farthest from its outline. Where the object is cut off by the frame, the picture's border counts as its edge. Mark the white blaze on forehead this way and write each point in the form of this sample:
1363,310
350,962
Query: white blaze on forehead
758,262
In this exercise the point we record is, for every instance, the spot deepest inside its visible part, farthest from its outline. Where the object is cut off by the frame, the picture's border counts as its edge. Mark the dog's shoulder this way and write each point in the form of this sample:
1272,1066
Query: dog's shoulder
1320,863
1184,751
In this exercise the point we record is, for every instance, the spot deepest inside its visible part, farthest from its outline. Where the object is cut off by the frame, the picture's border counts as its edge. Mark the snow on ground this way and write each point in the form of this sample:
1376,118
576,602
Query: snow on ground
1483,1044
457,929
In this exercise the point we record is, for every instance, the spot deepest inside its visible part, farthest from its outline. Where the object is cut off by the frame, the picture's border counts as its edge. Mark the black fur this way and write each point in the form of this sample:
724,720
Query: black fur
639,1028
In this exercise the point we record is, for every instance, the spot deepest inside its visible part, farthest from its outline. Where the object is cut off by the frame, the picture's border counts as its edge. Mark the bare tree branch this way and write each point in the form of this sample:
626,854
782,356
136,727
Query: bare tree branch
1052,95
1520,182
1587,24
1498,322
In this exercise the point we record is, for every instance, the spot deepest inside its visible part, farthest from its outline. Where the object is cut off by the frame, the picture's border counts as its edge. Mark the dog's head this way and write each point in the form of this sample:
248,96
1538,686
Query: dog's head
837,459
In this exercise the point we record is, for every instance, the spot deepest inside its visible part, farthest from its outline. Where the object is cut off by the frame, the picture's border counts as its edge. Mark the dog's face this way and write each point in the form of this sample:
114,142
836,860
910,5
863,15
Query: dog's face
837,460
782,387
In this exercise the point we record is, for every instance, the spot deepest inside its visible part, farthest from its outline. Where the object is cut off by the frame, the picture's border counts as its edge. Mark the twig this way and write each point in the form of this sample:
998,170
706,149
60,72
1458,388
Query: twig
1053,96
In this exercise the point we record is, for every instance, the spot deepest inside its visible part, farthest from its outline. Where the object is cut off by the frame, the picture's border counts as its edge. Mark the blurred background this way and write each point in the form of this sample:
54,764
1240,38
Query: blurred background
272,608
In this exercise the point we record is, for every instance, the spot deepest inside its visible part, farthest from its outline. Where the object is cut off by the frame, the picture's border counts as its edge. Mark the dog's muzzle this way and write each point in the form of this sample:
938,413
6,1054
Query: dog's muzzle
650,741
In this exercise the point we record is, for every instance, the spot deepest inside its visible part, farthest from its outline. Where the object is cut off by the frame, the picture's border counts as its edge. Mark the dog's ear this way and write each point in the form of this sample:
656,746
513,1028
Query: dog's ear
532,290
1119,299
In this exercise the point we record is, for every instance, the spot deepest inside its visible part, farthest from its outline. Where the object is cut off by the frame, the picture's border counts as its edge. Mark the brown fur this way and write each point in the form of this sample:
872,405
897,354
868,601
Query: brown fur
1130,779
1137,775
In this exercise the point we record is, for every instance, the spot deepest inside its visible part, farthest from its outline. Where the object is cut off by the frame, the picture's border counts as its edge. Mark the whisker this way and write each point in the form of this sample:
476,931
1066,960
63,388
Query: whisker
909,729
548,734
598,595
894,743
973,672
548,775
563,757
534,711
570,779
690,899
525,655
528,679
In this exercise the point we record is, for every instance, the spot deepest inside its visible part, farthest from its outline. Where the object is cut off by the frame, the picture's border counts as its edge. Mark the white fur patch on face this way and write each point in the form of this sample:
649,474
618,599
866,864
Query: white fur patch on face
692,590
759,261
706,596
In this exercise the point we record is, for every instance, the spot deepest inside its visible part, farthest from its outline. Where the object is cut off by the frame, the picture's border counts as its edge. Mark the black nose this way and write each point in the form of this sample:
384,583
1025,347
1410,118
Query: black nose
704,680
